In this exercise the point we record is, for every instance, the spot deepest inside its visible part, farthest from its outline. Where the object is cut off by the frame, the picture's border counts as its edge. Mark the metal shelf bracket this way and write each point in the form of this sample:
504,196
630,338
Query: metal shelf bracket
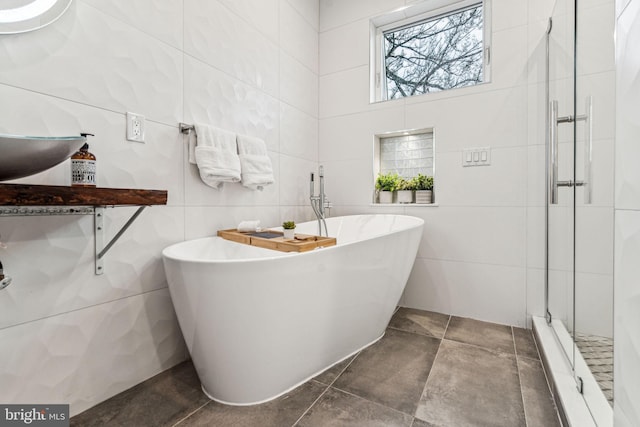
101,248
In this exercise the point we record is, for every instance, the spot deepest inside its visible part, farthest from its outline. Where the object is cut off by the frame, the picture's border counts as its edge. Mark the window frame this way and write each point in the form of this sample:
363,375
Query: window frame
414,15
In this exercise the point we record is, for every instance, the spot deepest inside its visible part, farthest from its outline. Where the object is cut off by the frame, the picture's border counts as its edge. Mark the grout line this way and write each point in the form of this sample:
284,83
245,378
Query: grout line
310,406
371,401
191,413
524,408
328,387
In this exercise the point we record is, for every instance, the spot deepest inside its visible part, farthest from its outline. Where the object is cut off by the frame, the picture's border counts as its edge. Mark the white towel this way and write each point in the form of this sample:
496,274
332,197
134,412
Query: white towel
254,162
216,155
252,225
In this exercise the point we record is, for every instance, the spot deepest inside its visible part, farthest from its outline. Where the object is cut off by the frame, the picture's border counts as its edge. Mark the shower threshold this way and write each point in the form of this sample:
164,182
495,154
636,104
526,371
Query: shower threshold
571,404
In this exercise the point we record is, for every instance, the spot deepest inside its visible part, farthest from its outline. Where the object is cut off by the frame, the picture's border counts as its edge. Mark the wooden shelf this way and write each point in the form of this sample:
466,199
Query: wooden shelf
27,200
53,195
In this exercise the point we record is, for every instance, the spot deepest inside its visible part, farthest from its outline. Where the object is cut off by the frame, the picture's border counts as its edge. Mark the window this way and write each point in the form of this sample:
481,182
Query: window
441,49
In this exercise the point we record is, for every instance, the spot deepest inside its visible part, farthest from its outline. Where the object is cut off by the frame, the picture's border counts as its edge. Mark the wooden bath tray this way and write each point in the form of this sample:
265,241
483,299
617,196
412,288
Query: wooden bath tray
302,243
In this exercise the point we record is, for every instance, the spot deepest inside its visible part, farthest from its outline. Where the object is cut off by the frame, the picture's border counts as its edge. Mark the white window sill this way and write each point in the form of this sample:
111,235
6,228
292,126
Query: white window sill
406,205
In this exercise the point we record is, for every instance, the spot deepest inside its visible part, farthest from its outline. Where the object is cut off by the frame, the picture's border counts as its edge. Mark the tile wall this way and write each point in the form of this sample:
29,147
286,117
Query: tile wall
250,66
482,252
627,217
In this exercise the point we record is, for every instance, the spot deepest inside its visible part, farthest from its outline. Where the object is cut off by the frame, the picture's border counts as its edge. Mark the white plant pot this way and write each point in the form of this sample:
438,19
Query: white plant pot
289,234
385,196
405,196
423,196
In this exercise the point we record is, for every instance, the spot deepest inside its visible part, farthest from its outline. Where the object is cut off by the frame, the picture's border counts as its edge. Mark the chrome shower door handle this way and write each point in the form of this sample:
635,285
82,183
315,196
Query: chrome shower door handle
588,150
552,179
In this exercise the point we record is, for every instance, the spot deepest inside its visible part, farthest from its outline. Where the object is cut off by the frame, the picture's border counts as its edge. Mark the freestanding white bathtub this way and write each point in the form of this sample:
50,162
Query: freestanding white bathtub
259,322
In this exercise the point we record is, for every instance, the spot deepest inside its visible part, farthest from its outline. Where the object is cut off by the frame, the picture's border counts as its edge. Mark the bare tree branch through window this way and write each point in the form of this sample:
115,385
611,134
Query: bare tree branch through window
434,55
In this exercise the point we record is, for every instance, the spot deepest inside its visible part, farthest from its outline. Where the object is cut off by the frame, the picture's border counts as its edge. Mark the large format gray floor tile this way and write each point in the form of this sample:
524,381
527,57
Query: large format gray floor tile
538,403
329,376
525,344
337,408
393,371
472,386
420,322
161,401
282,412
483,334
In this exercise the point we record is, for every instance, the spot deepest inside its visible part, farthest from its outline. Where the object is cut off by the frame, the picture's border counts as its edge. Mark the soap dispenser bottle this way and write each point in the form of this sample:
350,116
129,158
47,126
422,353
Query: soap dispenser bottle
83,166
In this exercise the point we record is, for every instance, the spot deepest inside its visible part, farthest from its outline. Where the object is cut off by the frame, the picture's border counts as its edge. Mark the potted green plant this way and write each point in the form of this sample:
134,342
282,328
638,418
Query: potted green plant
289,228
386,184
424,188
405,190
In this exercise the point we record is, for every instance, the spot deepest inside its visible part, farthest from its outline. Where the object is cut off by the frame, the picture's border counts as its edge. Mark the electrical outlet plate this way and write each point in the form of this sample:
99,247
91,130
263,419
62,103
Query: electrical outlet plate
135,127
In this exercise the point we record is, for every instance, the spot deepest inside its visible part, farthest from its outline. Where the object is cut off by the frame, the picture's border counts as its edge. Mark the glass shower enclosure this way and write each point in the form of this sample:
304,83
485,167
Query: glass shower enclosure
580,121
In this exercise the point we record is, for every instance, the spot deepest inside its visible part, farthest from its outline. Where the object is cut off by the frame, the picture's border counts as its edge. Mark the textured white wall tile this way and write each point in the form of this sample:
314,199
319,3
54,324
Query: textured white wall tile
509,57
220,38
217,99
486,292
298,85
51,260
485,185
347,92
488,235
508,14
298,214
298,38
349,182
294,180
260,14
594,239
160,19
334,13
90,57
627,178
595,48
352,136
298,133
344,47
627,317
206,221
627,218
535,293
492,118
309,9
536,237
542,9
62,359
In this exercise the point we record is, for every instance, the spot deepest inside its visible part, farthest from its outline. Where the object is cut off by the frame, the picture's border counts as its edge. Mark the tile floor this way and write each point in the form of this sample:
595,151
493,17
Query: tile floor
428,370
597,352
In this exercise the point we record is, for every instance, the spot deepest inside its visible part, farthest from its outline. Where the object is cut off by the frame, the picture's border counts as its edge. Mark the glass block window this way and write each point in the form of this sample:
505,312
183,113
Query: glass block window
407,155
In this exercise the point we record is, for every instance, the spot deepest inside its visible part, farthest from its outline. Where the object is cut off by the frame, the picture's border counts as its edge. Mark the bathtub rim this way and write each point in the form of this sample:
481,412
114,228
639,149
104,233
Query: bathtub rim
280,255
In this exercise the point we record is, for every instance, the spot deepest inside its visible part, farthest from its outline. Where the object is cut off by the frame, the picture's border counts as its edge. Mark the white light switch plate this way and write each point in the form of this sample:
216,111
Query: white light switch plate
479,156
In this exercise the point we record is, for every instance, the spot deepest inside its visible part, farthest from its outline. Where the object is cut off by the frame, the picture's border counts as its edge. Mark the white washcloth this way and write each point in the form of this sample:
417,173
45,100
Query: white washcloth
254,162
216,155
252,225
